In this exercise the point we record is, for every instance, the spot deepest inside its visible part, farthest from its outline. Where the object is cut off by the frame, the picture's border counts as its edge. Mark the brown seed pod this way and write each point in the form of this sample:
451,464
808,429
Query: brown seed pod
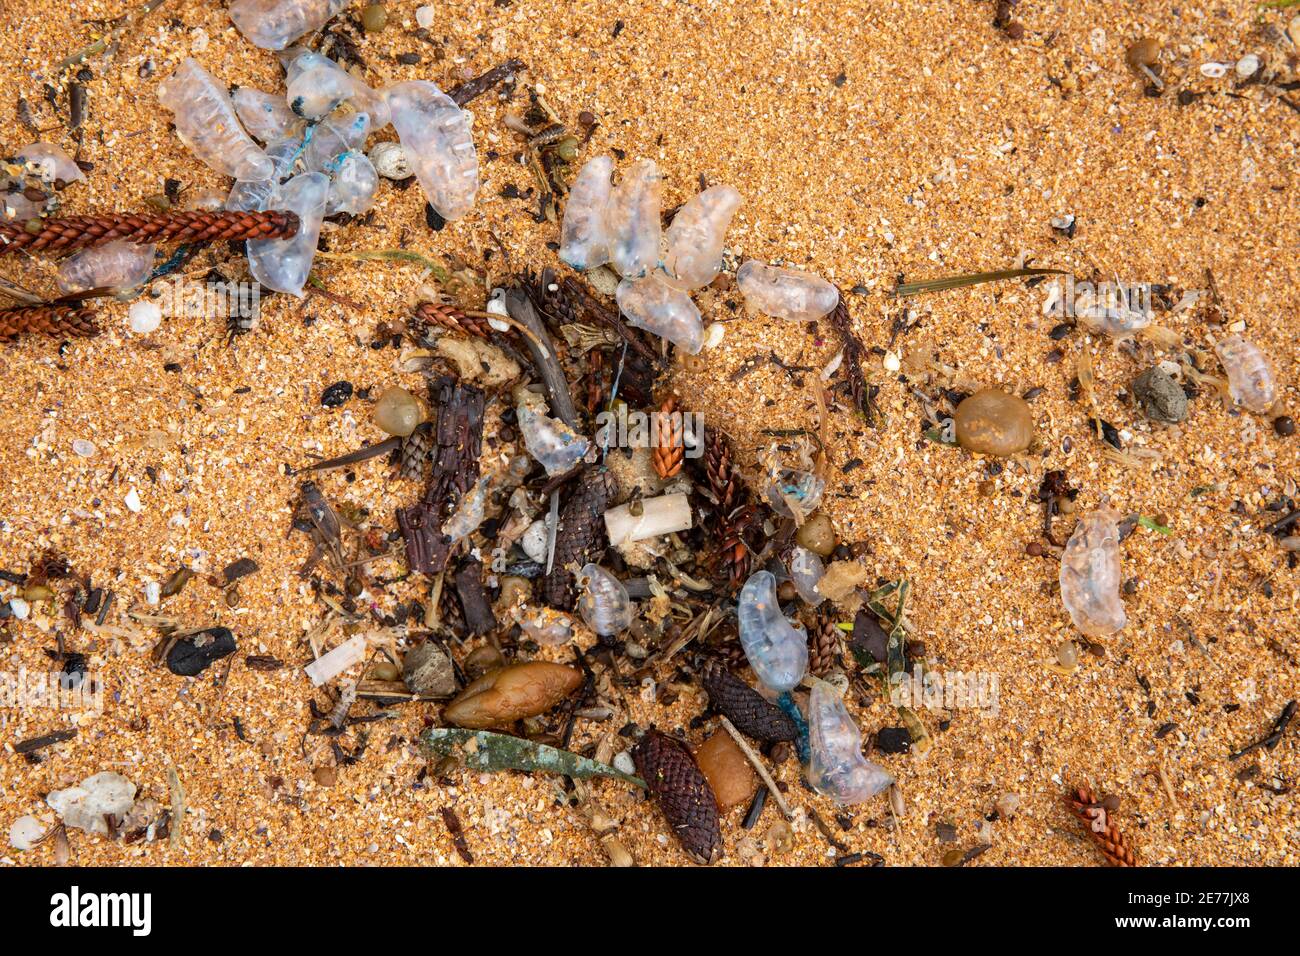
512,693
448,317
682,793
670,451
194,225
753,715
825,646
71,320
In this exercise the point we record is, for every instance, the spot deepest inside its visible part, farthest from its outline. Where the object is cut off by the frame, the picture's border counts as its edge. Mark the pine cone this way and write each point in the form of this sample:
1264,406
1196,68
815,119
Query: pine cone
71,320
683,794
825,645
753,715
549,297
580,536
447,317
721,472
670,452
193,225
735,558
1109,840
416,448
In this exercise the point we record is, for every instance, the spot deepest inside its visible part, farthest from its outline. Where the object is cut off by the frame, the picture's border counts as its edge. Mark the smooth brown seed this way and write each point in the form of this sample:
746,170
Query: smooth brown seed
994,422
817,535
730,776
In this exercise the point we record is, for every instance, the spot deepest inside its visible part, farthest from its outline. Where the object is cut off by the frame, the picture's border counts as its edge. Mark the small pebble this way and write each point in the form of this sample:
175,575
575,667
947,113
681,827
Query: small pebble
336,394
1248,66
817,535
1284,425
20,608
994,422
398,412
86,449
144,317
132,500
623,762
424,16
374,17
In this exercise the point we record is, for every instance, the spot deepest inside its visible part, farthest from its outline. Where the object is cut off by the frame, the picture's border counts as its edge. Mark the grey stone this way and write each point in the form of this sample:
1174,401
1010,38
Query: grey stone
1160,397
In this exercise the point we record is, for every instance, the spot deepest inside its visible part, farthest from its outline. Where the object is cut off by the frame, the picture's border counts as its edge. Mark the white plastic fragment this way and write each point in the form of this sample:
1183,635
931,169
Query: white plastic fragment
648,518
206,122
117,265
283,264
775,648
657,307
1090,575
696,236
584,234
604,603
632,218
274,24
435,133
83,806
330,665
836,767
786,293
553,444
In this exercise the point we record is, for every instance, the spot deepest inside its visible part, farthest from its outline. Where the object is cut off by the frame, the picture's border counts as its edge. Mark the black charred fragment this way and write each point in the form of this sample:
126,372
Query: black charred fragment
192,655
485,81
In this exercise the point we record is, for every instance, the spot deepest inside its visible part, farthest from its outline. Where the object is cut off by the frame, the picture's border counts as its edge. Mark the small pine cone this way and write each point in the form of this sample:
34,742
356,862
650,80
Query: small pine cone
188,225
71,320
670,451
450,612
549,297
447,317
683,794
735,558
825,646
580,536
1108,838
753,715
415,452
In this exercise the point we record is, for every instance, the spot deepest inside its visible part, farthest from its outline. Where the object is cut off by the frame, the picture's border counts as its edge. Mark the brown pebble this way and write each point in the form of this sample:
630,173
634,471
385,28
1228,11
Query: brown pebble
1284,425
730,776
994,422
325,776
817,535
483,660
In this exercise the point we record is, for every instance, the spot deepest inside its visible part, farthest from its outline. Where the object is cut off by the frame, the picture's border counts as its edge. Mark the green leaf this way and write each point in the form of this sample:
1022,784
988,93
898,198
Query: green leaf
393,255
484,750
1153,525
974,278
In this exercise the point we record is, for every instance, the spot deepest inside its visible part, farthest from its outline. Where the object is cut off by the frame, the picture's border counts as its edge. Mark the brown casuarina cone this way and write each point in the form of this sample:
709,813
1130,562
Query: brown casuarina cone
71,320
683,794
670,451
753,714
1103,831
416,449
580,536
193,225
825,643
429,315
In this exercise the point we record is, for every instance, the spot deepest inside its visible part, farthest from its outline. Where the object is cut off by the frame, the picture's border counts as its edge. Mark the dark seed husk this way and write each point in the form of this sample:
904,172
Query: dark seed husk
753,715
683,794
192,655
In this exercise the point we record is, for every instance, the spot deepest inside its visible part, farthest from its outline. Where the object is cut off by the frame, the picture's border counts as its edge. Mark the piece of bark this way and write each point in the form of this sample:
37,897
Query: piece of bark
479,618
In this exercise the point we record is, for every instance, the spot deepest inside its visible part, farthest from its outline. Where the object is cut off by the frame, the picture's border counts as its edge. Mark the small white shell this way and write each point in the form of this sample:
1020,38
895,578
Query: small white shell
390,160
1214,71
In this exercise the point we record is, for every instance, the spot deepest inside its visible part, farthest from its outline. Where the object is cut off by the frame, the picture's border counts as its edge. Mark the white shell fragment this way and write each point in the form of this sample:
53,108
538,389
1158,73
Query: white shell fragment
50,163
25,833
116,265
283,264
83,806
696,236
836,767
632,218
776,649
584,235
330,665
554,445
274,24
206,123
657,307
266,116
1251,379
786,293
649,518
390,160
604,603
435,133
1090,575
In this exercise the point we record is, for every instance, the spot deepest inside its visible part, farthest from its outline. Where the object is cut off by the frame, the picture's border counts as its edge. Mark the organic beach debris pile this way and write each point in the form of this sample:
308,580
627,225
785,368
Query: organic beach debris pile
573,530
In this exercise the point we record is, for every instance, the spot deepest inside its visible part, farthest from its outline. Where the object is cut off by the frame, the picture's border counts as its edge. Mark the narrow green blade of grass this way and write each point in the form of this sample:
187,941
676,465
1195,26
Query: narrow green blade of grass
975,278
